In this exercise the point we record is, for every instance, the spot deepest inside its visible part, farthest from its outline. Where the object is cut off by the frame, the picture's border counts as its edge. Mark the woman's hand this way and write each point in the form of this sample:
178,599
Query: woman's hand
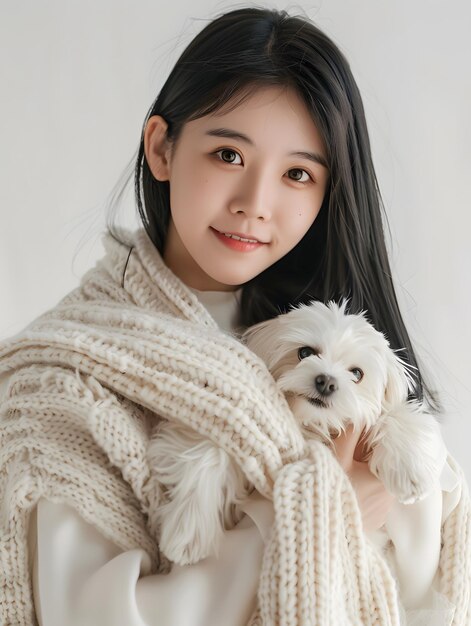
374,500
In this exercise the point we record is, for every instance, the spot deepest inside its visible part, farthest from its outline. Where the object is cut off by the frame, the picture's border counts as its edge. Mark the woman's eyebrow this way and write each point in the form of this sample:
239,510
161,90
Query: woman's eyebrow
233,134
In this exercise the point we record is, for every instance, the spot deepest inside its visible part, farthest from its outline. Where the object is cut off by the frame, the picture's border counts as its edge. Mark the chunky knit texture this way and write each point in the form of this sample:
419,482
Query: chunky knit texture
89,381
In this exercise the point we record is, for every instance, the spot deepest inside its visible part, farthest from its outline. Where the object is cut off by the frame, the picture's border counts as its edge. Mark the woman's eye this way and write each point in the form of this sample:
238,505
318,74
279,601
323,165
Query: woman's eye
227,151
357,374
299,180
306,351
227,155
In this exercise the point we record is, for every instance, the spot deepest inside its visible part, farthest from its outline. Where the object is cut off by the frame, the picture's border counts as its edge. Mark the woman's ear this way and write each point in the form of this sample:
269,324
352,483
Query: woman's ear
157,147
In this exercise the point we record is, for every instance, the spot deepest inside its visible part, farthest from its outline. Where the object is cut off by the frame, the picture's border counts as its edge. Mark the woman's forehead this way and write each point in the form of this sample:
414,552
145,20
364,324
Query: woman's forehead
273,115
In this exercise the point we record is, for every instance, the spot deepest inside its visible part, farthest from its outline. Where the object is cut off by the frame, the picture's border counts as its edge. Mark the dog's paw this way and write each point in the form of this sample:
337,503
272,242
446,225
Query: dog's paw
408,483
178,551
412,487
184,539
407,452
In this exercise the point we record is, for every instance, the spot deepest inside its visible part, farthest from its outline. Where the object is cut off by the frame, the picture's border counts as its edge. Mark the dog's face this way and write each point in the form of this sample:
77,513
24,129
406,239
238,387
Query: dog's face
334,368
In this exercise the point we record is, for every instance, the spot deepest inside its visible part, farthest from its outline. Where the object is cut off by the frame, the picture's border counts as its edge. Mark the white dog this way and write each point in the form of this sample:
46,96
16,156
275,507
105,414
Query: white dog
335,369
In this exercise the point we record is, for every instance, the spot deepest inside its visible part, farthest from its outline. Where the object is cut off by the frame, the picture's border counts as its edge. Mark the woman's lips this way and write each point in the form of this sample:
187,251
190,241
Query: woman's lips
236,244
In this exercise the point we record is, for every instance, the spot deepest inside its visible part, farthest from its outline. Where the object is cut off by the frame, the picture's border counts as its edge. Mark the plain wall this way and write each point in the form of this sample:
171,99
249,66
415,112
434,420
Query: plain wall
77,79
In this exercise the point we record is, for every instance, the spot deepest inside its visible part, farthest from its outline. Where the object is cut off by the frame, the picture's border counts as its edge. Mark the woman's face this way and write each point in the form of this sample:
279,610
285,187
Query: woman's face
245,172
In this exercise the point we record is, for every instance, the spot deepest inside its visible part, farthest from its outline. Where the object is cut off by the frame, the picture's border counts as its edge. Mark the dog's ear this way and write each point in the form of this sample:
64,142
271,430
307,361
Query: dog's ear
262,338
397,383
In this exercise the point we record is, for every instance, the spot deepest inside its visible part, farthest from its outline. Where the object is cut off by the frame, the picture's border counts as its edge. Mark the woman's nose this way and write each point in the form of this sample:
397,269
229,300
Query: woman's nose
255,198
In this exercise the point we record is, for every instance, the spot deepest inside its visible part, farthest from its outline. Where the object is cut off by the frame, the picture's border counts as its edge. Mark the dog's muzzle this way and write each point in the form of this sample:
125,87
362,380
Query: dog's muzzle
325,384
317,402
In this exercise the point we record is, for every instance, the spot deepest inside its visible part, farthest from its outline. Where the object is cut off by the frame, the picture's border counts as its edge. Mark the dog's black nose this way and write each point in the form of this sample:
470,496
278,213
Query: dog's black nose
325,384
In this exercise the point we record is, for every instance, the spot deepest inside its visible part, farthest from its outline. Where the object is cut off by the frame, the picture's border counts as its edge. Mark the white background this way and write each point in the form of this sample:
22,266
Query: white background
77,78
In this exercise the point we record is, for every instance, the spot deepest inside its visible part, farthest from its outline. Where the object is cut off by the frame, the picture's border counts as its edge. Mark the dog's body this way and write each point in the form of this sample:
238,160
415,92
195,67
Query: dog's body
335,369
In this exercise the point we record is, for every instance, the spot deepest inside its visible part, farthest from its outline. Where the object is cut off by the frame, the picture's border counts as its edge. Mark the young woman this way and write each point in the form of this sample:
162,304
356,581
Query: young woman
256,190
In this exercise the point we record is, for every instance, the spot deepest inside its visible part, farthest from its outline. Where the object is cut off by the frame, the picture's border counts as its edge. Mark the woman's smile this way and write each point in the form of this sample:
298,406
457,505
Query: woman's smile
238,243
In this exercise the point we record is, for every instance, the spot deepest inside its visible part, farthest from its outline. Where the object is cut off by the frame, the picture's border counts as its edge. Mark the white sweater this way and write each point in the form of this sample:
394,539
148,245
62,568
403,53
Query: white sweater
74,564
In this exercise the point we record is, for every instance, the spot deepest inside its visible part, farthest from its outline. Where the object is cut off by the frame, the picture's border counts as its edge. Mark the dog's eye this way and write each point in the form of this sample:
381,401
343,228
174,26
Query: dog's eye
306,351
357,374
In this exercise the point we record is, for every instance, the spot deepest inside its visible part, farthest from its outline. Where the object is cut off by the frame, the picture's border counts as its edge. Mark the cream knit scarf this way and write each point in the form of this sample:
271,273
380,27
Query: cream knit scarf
89,380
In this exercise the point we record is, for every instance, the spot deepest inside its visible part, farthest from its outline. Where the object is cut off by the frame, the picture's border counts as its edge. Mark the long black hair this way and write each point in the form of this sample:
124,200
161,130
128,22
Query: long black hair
344,252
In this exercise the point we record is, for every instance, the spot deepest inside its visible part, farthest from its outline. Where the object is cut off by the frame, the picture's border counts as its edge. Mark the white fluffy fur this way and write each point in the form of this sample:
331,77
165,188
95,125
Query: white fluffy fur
203,486
203,482
402,436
